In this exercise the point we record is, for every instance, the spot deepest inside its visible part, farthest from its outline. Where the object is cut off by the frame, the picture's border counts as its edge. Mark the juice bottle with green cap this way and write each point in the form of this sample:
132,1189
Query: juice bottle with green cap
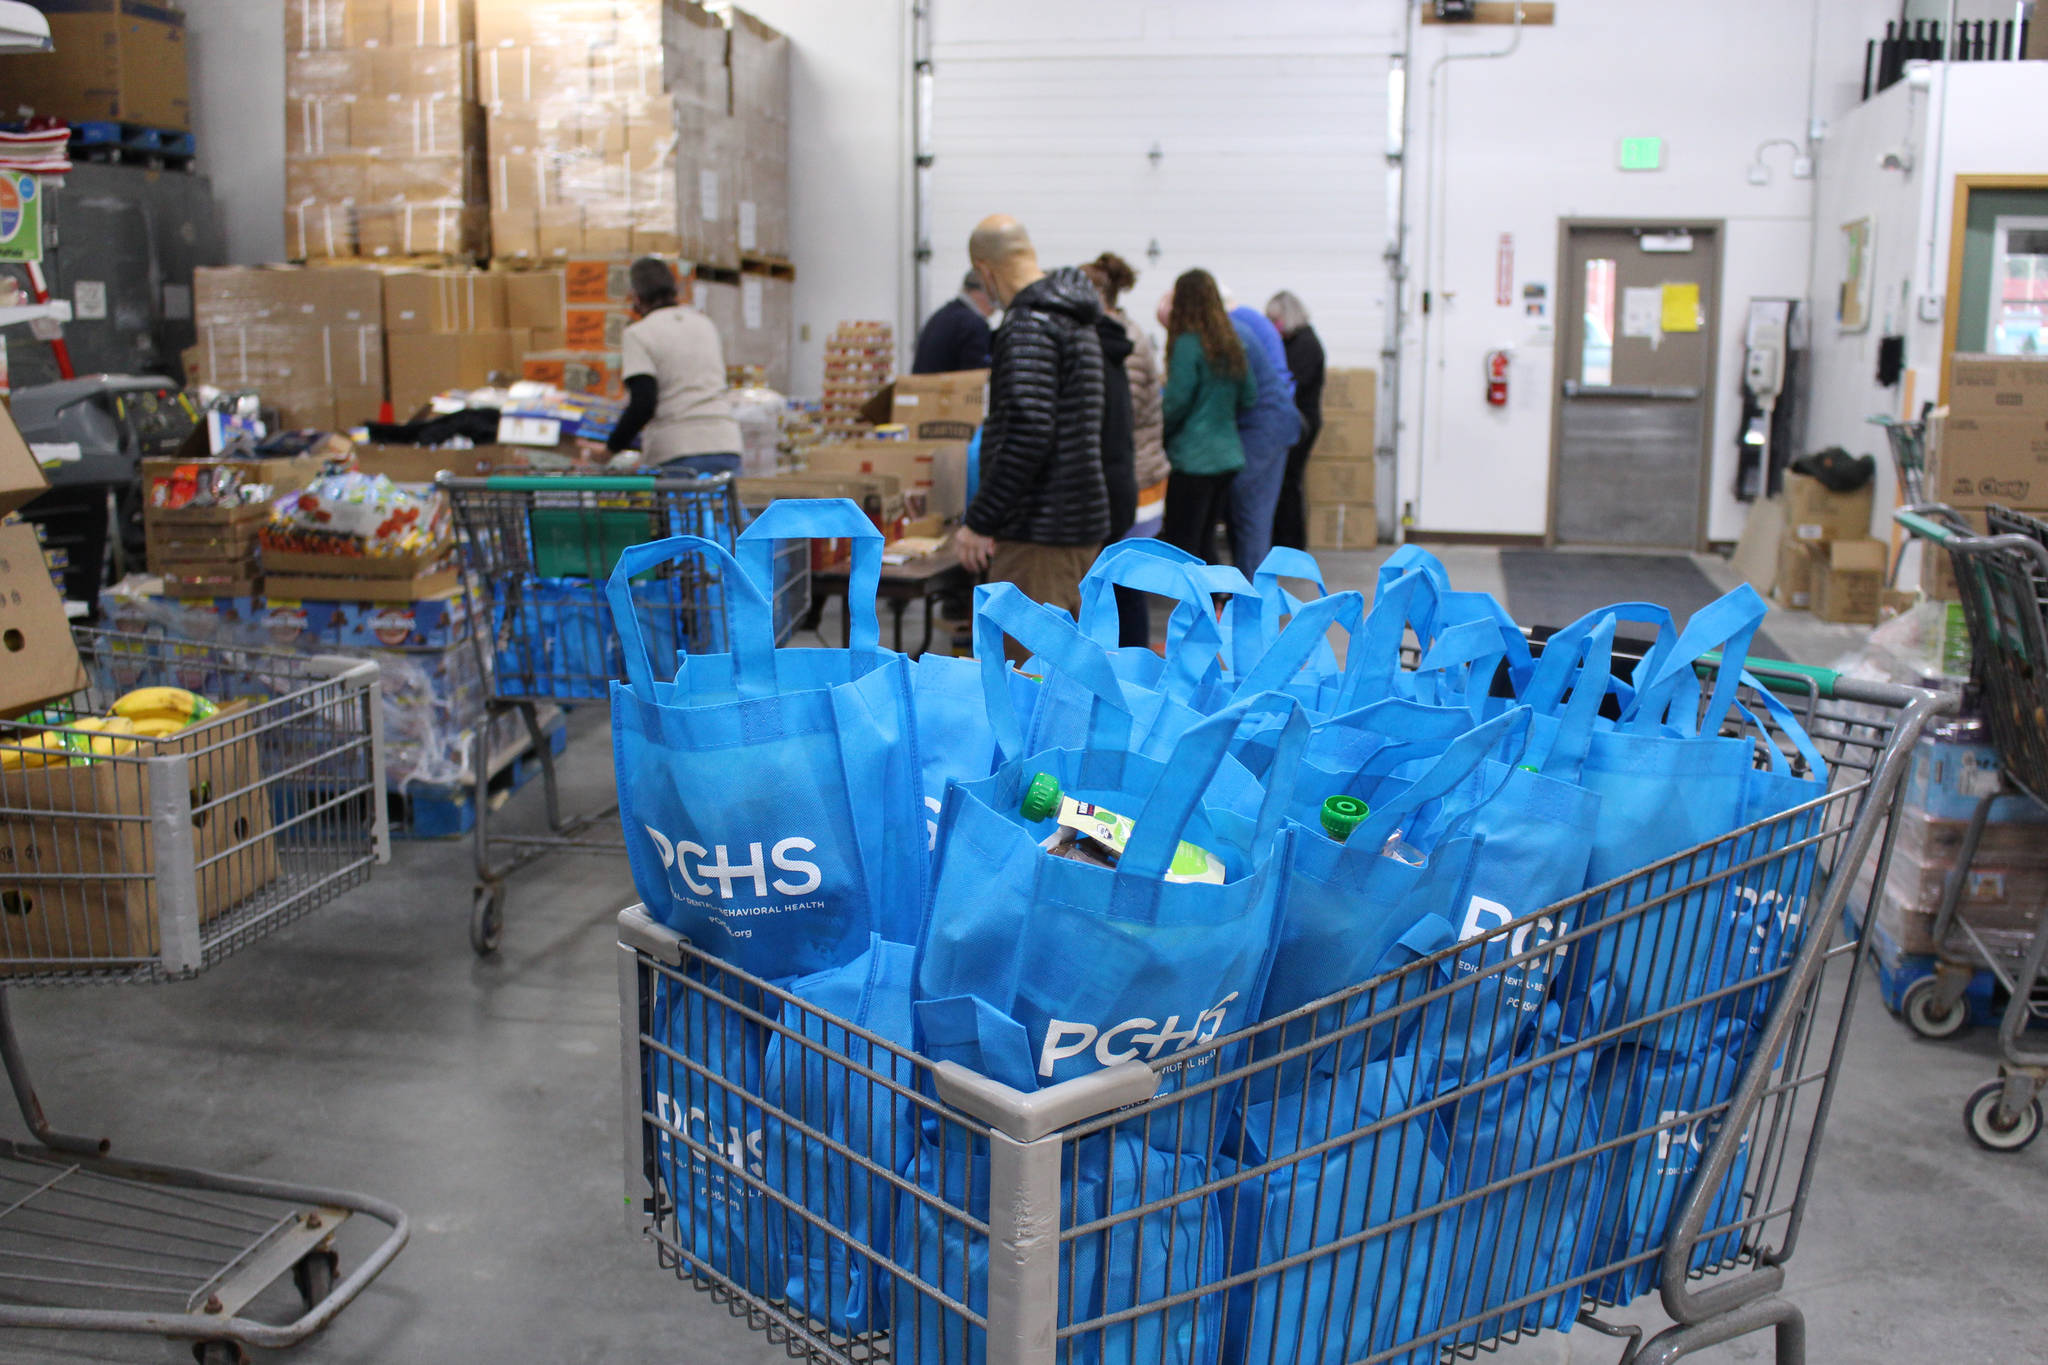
1343,814
1090,834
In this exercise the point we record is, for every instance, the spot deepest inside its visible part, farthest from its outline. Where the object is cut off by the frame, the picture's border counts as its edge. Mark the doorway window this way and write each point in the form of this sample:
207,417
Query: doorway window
1596,346
2019,287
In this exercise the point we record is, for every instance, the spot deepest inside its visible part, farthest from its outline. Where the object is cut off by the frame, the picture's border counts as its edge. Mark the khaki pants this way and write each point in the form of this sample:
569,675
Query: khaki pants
1047,573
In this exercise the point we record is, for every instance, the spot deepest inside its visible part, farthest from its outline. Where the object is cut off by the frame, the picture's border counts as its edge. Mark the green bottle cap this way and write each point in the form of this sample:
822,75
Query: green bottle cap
1530,768
1341,815
1042,797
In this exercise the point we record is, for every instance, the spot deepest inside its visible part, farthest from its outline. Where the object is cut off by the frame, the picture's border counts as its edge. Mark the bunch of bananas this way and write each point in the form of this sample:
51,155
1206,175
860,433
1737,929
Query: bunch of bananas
147,712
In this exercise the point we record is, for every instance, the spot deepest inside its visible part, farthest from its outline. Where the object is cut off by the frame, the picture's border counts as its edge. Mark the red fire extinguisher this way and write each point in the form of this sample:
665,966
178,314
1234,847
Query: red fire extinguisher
1497,379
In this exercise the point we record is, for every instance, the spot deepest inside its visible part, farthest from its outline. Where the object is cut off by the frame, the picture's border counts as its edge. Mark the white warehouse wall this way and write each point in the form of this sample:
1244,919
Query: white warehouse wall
1524,141
236,52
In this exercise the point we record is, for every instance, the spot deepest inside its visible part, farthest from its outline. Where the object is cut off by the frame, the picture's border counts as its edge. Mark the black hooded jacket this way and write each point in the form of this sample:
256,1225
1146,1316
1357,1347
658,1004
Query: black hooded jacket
1041,442
1119,440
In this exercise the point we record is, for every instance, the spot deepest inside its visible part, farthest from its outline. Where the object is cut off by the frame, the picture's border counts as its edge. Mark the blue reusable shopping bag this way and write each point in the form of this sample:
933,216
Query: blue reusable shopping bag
1536,1232
1676,1102
1192,670
1367,1293
1137,1260
764,793
702,1077
840,1087
1102,965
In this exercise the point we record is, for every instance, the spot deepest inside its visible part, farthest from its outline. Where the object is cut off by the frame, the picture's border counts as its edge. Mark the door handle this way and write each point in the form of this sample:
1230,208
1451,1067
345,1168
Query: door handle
1667,392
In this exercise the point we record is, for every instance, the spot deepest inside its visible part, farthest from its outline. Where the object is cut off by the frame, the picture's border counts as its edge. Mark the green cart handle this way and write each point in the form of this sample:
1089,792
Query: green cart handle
562,483
1924,527
1823,679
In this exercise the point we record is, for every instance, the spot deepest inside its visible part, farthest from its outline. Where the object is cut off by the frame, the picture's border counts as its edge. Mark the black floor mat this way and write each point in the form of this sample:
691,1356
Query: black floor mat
1554,588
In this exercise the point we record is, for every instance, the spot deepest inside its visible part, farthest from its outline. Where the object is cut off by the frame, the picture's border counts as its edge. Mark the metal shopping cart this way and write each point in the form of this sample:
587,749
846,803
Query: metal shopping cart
1908,441
860,1203
130,859
2002,580
541,549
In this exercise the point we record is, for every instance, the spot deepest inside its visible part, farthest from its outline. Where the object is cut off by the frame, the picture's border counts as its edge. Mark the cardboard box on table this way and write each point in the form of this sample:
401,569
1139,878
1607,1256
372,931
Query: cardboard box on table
80,875
932,474
879,495
932,407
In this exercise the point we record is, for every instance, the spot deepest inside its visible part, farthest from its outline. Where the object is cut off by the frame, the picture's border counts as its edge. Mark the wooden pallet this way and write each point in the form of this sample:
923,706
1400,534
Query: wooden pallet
717,274
774,267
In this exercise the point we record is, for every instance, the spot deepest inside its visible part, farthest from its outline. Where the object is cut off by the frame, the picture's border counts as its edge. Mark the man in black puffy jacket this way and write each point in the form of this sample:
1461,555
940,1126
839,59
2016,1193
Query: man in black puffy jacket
1042,511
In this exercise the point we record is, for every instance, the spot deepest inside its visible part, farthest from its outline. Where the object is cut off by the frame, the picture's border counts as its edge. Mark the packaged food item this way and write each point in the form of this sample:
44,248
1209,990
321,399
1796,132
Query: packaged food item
1088,833
362,515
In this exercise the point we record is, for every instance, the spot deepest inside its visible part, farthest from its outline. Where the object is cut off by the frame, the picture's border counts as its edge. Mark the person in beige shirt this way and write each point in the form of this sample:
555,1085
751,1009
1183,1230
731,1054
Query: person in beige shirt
674,368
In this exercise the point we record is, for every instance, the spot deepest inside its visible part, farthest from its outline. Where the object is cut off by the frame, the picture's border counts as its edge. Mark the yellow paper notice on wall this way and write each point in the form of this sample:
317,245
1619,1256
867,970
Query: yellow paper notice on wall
1681,308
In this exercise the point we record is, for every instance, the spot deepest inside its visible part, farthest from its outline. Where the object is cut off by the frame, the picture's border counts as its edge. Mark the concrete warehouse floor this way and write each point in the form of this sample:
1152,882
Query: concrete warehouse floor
367,1049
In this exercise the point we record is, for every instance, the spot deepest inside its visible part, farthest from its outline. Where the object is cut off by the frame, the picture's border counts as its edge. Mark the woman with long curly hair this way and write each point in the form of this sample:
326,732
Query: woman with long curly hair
1208,383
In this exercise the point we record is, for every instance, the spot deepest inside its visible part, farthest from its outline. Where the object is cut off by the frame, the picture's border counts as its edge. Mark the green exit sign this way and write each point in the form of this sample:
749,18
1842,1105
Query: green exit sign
1642,153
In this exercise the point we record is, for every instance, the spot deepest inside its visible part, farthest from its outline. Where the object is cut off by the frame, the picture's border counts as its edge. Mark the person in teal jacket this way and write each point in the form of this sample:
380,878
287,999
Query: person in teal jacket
1208,384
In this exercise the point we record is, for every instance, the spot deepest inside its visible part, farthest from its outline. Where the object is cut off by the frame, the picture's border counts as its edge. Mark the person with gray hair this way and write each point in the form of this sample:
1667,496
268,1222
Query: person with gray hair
957,336
674,368
1305,362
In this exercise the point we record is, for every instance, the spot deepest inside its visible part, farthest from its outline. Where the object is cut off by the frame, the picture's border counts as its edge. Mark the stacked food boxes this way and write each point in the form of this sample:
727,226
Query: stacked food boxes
588,132
384,139
1338,481
1827,561
201,520
859,360
310,341
1988,446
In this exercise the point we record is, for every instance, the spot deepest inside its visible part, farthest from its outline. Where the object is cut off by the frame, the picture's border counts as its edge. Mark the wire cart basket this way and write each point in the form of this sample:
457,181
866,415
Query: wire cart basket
857,1202
1909,454
126,858
542,548
2002,580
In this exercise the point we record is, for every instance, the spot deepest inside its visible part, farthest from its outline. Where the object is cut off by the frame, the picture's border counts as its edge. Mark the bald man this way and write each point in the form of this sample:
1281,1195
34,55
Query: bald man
1042,511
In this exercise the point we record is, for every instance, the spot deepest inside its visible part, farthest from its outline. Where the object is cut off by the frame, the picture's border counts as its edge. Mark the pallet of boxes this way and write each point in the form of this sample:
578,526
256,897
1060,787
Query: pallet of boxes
455,328
860,360
309,342
1338,481
383,135
1988,446
1827,561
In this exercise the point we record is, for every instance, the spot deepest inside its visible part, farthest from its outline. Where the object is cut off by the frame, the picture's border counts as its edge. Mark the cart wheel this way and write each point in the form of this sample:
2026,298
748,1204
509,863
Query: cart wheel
1925,1016
315,1275
487,918
220,1353
1980,1115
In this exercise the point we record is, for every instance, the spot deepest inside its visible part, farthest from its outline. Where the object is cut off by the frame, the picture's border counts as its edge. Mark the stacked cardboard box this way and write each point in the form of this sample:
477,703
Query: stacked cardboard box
383,137
757,61
586,138
931,474
124,63
1988,446
578,314
447,329
1338,483
859,361
760,339
203,542
310,341
1827,562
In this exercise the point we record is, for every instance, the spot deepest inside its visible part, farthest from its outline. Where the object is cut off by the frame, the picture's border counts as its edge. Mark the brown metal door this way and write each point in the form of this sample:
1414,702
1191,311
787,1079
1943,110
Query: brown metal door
1635,401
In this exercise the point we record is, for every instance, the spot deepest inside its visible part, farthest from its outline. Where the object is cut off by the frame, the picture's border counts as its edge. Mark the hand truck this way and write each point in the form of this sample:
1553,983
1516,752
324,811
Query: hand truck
2002,580
125,858
856,1202
540,549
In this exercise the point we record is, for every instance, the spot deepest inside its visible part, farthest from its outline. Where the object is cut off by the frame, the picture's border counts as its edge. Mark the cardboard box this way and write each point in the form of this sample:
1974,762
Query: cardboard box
333,73
560,232
593,372
397,229
340,578
1343,526
1813,513
318,229
1350,390
401,126
931,474
339,296
121,60
318,125
1328,480
604,280
693,55
1848,579
423,72
319,25
444,301
1346,435
934,407
423,365
432,23
586,328
80,880
1976,461
326,179
534,299
515,236
509,23
1998,386
1796,565
21,478
38,662
532,75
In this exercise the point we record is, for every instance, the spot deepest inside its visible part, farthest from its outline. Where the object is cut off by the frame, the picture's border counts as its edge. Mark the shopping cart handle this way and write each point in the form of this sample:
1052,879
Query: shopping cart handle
1823,679
1922,526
